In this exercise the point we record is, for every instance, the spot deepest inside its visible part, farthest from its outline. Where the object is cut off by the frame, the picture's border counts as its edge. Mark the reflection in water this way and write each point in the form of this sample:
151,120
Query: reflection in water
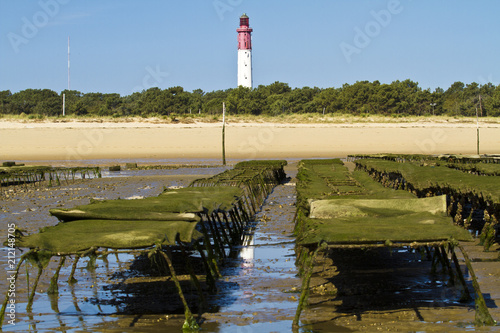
248,251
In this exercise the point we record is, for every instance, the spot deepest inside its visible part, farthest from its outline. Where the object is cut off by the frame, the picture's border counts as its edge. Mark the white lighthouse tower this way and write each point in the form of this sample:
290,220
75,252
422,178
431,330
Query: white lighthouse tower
244,52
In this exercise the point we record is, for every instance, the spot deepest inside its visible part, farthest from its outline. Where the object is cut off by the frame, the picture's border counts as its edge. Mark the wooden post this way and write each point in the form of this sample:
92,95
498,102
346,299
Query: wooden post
71,279
194,278
223,133
212,260
308,267
53,288
190,323
31,296
483,317
209,272
465,291
480,106
477,130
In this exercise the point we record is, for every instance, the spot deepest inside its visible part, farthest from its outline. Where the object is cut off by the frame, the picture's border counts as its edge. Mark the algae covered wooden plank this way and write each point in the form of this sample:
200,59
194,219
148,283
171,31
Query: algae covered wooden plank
171,205
127,212
207,199
373,214
320,179
140,209
376,207
414,227
85,234
424,177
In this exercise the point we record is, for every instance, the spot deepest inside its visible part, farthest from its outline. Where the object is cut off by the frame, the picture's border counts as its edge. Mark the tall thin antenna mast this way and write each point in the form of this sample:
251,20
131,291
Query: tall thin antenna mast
69,85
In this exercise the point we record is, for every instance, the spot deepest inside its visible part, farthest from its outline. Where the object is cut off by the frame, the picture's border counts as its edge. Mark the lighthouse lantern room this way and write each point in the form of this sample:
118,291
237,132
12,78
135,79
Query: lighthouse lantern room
244,52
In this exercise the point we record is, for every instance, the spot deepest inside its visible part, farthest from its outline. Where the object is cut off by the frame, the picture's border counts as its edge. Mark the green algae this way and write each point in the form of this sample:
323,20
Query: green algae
275,164
82,235
486,169
364,207
247,172
370,214
171,205
174,214
24,175
330,179
202,199
425,177
381,228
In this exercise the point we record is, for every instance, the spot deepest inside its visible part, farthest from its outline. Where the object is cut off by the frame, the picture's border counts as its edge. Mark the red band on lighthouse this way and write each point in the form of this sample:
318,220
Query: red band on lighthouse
244,34
244,52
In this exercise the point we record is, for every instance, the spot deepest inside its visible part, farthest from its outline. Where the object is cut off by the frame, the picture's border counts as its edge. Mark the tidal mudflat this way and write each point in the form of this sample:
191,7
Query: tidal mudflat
259,288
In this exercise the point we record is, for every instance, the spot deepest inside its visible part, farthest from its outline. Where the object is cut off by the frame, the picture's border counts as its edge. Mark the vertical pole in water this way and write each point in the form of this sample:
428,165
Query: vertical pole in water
223,133
190,323
483,316
308,267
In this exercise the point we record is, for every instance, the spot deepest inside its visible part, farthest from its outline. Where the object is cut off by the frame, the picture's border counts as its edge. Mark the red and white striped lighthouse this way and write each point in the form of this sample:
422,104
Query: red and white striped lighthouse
244,52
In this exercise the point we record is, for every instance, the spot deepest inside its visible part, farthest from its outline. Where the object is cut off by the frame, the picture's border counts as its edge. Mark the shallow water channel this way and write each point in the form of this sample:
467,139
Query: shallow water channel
259,288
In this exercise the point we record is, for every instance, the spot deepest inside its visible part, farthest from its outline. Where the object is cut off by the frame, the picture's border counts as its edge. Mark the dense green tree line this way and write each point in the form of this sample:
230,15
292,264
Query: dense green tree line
363,97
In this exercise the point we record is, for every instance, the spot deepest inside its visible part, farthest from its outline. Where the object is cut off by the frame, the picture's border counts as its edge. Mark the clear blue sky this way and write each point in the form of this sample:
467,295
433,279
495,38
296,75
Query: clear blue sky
123,46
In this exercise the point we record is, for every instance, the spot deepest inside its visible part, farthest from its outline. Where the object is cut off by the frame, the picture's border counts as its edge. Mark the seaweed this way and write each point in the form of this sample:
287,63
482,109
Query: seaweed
424,177
81,235
19,174
171,205
468,194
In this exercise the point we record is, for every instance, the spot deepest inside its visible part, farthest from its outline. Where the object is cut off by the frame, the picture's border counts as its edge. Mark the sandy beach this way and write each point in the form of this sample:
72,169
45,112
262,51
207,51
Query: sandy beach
77,141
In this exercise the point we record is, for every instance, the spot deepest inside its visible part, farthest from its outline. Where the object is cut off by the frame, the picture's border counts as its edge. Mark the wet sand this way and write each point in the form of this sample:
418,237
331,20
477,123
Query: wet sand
73,141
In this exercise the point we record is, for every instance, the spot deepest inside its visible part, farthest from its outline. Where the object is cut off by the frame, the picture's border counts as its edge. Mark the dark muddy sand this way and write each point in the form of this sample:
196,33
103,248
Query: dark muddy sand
358,290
